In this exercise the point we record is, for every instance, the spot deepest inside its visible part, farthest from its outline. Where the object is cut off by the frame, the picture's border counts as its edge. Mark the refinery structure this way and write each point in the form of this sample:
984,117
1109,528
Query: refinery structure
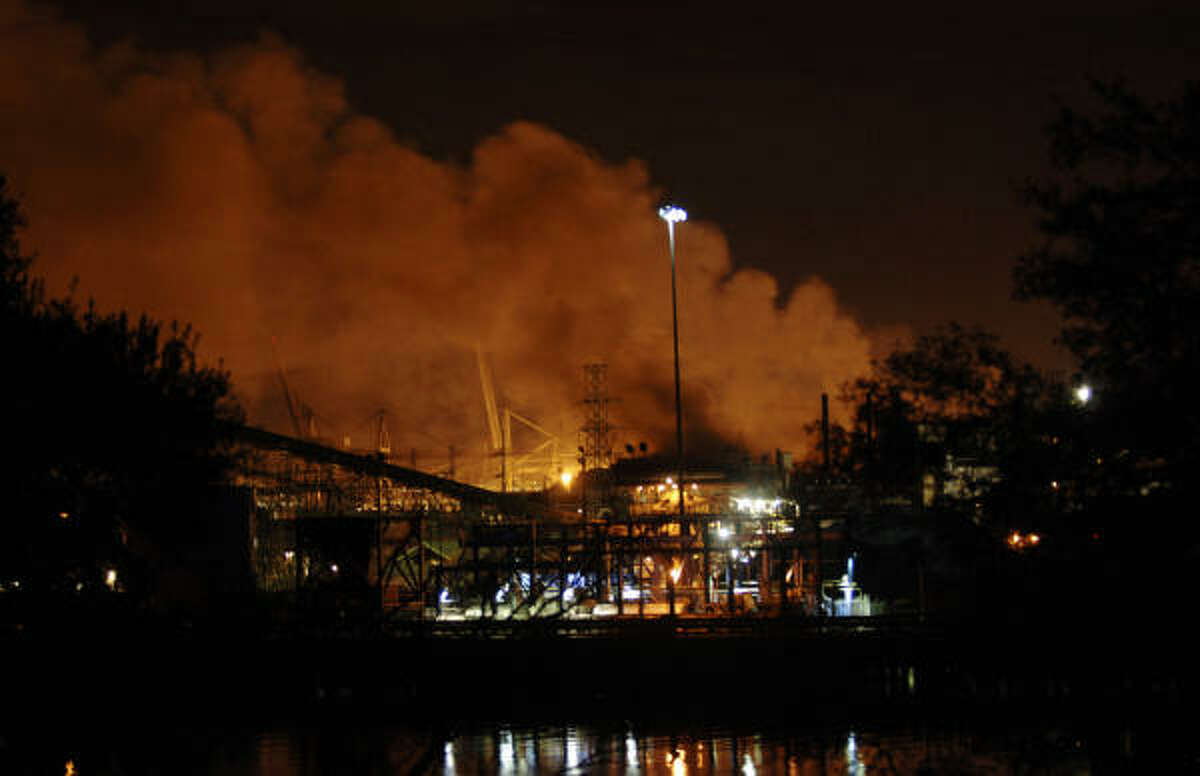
355,537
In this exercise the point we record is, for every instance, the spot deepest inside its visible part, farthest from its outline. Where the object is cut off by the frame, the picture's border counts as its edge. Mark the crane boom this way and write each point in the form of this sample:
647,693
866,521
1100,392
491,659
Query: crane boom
489,399
297,426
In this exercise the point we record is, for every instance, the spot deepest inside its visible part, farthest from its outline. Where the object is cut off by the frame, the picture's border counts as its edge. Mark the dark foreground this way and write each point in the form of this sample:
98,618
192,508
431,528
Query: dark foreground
1114,699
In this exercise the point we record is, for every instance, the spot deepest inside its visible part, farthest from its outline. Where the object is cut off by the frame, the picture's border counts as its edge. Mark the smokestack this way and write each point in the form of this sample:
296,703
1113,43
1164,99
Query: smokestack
825,432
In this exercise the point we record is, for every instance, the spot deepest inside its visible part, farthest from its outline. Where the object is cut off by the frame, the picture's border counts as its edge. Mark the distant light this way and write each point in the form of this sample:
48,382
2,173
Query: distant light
670,481
333,567
566,478
288,554
724,532
695,486
676,570
1034,538
672,214
1083,393
110,579
63,515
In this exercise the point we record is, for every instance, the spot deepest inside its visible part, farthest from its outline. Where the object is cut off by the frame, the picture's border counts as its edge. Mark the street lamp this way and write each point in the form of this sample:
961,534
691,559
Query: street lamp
674,215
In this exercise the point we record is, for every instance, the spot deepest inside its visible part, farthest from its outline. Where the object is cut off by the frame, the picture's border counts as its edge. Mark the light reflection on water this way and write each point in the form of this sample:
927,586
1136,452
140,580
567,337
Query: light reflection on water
385,749
574,750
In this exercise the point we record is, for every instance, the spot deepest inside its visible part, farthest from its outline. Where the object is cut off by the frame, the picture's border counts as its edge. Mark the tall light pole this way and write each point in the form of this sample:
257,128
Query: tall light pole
674,215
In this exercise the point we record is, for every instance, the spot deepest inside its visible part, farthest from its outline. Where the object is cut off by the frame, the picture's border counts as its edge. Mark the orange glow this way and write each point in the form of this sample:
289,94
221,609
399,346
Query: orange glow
439,254
1018,541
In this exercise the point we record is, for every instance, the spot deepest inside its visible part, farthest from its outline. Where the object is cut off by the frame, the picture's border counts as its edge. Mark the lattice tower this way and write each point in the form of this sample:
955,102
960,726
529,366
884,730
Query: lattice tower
597,433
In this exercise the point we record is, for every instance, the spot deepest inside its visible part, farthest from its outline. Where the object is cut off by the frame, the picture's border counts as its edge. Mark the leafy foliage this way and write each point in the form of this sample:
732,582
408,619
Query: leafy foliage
1121,261
957,409
113,422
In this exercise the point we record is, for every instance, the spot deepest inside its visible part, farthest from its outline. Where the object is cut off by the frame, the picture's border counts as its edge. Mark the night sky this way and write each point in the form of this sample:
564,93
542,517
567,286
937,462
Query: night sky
874,150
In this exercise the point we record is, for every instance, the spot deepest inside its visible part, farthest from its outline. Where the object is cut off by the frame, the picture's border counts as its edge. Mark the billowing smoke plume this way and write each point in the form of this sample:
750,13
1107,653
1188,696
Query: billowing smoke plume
241,193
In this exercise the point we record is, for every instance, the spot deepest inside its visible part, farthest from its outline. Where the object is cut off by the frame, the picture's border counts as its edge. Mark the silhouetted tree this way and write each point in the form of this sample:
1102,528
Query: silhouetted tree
1121,262
112,427
954,411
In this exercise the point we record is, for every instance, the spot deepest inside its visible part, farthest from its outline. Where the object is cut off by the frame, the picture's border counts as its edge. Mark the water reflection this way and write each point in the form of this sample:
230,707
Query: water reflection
578,750
382,749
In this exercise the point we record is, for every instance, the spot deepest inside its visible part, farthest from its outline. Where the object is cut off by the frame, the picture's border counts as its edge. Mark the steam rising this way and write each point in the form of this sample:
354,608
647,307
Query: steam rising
240,192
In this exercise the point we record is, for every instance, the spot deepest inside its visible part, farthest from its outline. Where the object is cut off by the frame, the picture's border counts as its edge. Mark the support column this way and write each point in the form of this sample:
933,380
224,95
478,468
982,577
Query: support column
420,567
562,568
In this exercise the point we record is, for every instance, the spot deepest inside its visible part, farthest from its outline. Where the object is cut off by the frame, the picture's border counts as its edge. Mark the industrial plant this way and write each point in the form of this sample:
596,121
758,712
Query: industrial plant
352,537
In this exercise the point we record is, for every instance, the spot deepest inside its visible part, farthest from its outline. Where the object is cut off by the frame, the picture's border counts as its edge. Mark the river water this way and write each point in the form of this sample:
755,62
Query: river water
342,746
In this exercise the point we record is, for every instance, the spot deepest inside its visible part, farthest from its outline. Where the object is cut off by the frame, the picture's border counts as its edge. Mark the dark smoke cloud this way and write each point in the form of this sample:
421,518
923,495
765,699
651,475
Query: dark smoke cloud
240,191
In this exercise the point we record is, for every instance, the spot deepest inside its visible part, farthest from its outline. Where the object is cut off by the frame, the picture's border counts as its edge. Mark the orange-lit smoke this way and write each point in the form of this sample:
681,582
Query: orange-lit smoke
240,192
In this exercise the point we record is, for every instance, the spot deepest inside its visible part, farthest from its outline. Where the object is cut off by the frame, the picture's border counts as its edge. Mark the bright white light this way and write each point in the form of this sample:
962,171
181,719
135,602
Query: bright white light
566,478
724,532
508,753
333,567
672,214
444,596
288,554
110,579
572,749
1083,393
854,765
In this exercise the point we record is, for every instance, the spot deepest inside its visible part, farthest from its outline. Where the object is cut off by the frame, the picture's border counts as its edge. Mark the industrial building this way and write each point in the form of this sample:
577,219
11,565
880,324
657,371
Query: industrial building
355,539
